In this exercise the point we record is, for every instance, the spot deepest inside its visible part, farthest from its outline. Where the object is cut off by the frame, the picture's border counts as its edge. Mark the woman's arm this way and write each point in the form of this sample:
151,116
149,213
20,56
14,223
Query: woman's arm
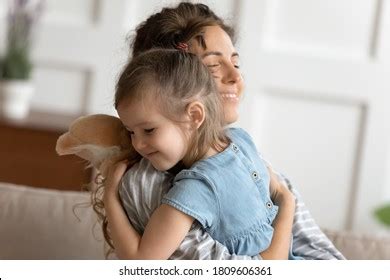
309,242
163,234
281,239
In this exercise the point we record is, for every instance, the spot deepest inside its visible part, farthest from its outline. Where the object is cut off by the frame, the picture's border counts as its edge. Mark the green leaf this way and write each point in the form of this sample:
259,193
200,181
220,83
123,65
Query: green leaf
16,64
383,214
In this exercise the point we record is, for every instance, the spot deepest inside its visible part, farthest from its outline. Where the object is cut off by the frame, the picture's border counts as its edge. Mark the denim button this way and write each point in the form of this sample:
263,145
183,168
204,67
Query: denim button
269,204
255,176
235,148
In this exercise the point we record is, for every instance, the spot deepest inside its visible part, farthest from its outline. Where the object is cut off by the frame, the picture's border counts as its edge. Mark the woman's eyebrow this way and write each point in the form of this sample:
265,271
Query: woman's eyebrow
235,54
211,53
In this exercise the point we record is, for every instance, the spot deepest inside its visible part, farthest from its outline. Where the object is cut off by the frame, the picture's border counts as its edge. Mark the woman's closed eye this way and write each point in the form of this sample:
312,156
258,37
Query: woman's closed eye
213,67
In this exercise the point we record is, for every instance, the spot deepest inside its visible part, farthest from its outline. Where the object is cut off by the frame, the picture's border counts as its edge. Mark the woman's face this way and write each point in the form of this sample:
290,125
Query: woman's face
222,60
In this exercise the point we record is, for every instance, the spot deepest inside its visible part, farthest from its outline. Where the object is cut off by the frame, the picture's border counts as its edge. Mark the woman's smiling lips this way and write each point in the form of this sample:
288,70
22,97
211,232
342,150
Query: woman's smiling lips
230,96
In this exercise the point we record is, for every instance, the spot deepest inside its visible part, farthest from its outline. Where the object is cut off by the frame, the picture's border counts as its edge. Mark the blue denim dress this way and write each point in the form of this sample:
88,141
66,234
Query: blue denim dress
228,194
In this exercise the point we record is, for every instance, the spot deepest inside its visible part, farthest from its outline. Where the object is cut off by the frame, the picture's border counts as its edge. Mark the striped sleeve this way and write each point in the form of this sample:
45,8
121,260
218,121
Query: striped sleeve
309,242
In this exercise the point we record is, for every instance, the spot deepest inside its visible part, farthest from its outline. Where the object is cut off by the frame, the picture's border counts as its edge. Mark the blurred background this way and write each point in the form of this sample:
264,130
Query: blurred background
316,101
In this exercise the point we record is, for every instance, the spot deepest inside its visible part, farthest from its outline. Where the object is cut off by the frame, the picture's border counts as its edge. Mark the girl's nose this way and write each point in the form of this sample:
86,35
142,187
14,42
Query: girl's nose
138,143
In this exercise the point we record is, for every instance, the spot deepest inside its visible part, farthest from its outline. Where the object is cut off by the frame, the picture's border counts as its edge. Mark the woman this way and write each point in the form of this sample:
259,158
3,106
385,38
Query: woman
197,29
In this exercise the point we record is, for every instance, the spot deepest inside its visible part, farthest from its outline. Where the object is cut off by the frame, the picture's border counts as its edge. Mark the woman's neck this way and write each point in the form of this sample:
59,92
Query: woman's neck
213,150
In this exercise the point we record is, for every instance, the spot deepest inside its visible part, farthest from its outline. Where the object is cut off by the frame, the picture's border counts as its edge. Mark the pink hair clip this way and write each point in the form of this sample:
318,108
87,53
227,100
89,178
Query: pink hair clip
182,46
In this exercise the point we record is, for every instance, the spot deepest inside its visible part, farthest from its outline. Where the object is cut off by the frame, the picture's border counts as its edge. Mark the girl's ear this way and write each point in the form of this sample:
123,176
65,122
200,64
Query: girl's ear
196,113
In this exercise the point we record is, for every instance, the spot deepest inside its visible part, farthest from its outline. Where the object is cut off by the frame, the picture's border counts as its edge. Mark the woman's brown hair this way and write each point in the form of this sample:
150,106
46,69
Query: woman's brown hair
172,26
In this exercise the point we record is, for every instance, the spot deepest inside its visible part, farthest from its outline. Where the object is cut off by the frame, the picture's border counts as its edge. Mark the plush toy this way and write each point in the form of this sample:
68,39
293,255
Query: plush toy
100,139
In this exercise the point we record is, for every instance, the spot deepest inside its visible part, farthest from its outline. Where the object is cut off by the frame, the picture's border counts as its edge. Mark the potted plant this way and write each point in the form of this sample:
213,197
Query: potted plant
383,214
16,67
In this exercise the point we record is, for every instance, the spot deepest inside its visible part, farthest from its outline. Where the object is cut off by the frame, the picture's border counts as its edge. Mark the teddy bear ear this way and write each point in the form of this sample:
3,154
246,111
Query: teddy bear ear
125,139
66,144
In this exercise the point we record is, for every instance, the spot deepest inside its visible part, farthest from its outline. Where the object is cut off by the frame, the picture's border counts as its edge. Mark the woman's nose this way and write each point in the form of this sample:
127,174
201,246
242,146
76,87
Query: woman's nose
232,74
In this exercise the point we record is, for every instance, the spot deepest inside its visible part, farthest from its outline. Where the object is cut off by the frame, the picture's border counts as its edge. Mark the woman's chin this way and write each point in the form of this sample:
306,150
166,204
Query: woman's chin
231,114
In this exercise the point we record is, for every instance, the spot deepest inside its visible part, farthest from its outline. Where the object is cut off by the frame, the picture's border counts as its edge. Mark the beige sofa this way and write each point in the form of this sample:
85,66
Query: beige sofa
45,224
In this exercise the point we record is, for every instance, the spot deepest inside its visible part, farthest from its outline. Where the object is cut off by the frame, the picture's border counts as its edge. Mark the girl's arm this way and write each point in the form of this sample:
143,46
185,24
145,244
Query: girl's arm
163,234
281,239
140,190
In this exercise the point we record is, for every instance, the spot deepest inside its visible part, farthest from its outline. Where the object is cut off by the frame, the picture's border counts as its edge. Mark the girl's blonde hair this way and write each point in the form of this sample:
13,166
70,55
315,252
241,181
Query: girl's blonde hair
173,79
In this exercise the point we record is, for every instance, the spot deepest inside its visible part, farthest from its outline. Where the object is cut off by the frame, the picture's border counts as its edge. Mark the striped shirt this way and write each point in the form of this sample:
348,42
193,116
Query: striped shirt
141,191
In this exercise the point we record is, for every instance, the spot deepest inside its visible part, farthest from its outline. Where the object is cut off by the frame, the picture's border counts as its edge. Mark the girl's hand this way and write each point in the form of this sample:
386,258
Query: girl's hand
278,189
281,239
114,175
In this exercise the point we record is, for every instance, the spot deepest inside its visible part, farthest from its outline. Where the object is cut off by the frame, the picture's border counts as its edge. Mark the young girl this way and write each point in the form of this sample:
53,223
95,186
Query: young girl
168,101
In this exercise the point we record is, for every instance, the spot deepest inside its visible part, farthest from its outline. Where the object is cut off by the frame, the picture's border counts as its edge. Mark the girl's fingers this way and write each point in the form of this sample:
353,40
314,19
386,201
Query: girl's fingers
115,174
120,167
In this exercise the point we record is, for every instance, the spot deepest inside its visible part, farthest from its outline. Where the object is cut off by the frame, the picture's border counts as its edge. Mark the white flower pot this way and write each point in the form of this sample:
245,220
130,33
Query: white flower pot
16,98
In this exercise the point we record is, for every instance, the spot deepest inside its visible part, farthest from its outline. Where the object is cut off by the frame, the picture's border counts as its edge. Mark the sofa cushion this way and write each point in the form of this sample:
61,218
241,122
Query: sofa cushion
44,224
359,246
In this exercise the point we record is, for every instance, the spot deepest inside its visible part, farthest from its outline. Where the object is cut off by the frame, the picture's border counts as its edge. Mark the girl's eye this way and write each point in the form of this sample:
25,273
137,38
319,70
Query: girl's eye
149,131
237,66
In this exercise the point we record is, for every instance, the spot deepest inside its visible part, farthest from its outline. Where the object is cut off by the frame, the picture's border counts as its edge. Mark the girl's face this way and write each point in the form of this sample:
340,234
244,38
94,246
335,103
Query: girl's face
153,136
222,60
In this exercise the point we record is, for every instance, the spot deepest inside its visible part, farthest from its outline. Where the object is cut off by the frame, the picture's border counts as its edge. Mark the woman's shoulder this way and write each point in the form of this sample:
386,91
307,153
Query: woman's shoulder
240,137
143,175
144,168
236,131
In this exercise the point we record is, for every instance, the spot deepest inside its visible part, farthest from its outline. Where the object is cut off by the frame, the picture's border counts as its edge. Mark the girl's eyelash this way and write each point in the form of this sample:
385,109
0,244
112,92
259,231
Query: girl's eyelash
147,131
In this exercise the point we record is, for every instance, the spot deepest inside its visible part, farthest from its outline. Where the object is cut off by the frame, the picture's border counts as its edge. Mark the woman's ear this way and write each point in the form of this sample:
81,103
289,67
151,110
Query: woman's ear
196,113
